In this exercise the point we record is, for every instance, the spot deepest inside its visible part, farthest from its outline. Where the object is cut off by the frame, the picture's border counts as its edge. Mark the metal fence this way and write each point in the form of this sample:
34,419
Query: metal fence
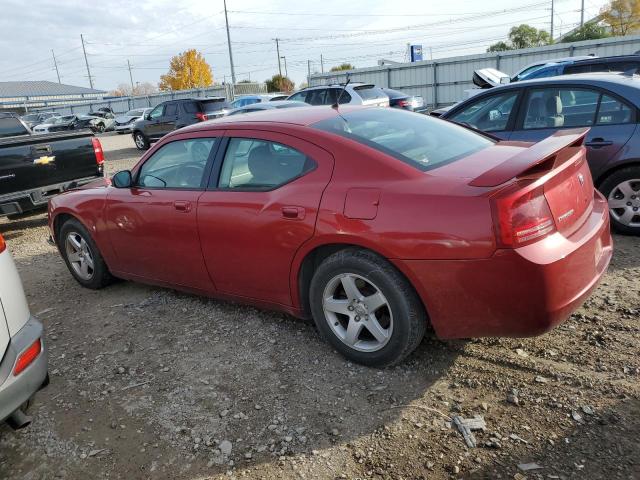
124,104
443,81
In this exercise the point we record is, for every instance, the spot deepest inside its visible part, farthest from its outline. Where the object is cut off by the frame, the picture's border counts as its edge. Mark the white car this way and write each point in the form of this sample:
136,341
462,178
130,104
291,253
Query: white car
352,93
23,368
124,123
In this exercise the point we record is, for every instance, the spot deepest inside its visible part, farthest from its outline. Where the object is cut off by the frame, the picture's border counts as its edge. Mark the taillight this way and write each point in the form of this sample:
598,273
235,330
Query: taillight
3,245
403,103
201,116
97,149
27,357
522,216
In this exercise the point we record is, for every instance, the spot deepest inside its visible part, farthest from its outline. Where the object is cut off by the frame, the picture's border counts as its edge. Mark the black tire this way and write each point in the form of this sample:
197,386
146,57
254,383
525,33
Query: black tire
607,187
141,141
407,311
100,128
100,276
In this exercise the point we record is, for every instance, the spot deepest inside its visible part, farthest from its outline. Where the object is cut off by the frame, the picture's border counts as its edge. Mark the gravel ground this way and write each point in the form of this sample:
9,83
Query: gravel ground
148,383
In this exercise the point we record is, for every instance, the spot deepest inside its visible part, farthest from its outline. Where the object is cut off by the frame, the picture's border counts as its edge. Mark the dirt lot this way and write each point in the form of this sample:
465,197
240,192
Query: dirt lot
151,383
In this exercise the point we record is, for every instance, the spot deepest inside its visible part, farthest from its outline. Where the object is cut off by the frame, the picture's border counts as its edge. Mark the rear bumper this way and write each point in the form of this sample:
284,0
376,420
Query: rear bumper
15,390
520,292
26,200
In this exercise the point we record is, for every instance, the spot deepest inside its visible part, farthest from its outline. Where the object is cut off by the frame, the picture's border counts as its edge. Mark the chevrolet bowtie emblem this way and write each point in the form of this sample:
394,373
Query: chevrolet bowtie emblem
45,160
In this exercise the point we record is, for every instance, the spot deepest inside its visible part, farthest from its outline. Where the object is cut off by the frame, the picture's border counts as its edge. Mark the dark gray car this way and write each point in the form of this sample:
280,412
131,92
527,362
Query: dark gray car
608,103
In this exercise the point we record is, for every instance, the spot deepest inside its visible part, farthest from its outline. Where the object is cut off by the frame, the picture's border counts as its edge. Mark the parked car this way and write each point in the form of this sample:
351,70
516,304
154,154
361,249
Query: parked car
124,123
353,93
373,221
400,99
71,122
35,167
23,351
33,119
245,100
258,107
607,103
175,114
106,120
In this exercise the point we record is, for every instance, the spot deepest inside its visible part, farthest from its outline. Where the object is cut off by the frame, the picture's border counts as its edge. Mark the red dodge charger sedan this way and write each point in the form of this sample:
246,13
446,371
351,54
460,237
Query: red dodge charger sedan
375,222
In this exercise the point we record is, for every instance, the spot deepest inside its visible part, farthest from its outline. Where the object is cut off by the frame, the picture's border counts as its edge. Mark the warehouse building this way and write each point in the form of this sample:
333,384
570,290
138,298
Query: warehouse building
24,95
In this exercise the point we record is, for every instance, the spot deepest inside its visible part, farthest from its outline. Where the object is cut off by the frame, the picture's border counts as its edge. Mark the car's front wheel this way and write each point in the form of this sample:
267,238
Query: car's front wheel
622,190
82,256
366,309
142,143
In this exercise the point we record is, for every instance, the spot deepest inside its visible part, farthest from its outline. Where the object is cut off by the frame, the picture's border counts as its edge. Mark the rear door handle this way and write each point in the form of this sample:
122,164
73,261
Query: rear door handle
293,213
598,142
182,206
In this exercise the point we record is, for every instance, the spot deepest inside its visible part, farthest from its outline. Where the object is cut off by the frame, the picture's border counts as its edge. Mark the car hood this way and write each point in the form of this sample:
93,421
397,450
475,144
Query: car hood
125,118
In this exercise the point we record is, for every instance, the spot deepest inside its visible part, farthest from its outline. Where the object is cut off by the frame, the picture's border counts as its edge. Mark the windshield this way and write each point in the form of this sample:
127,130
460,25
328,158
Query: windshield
133,113
419,140
29,118
369,92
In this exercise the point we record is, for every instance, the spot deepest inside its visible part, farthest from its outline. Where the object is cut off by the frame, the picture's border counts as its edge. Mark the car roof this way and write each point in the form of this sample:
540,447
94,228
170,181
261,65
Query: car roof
611,59
302,116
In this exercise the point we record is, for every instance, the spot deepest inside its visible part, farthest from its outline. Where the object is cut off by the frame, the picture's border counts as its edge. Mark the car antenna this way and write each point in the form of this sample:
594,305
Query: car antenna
344,87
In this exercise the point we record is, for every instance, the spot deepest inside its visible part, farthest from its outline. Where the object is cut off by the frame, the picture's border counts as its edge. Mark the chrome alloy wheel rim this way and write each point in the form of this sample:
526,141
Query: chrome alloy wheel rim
79,255
139,141
624,202
357,312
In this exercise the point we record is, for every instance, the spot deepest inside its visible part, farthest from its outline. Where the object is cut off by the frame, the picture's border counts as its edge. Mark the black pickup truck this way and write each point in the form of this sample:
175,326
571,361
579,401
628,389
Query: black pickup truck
35,167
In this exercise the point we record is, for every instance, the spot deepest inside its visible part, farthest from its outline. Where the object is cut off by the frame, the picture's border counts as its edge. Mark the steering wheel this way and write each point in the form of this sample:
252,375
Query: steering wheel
190,174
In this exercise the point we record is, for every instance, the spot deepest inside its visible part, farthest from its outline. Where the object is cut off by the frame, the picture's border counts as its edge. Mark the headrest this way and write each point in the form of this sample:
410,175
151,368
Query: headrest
554,105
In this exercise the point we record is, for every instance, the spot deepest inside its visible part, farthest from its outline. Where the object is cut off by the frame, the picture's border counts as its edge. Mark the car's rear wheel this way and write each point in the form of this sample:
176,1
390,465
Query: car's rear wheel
82,256
622,190
366,309
142,142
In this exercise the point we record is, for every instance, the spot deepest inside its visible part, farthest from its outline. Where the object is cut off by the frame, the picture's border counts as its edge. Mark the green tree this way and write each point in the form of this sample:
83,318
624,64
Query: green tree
343,66
589,31
622,16
187,70
523,36
279,83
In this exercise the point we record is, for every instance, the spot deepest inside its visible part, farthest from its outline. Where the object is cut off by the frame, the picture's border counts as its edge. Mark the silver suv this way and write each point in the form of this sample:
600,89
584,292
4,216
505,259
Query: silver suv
354,94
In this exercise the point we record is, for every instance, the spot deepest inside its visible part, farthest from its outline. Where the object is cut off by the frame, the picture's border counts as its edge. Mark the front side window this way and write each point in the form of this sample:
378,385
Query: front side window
252,164
560,107
489,114
156,112
179,164
421,141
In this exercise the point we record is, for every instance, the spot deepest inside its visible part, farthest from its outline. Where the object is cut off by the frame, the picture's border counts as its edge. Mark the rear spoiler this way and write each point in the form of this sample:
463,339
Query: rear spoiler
535,155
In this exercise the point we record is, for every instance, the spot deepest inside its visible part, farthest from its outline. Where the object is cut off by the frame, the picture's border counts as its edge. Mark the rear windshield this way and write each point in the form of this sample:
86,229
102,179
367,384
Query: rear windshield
419,140
369,92
214,105
10,127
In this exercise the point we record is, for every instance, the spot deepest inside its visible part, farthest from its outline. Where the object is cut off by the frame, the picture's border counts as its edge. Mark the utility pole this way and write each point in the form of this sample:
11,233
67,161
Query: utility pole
286,73
552,19
321,64
226,19
131,78
86,62
278,52
582,15
55,64
309,72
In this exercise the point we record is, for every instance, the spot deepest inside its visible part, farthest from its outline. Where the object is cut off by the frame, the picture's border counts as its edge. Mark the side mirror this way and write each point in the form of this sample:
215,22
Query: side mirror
122,179
147,116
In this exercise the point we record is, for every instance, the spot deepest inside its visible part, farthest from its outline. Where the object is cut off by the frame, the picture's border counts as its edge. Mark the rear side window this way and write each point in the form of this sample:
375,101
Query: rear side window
252,164
300,96
214,105
334,93
612,111
369,92
317,97
421,141
10,127
190,107
561,107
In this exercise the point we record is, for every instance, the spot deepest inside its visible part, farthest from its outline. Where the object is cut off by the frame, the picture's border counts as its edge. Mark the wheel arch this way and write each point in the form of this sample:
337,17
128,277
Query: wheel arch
618,166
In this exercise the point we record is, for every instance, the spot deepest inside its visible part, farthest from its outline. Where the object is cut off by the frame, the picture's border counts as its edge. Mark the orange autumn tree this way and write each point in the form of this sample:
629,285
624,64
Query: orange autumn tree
187,70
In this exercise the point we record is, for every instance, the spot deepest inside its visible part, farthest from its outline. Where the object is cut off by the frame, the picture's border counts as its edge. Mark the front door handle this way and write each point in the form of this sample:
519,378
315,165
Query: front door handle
598,142
293,213
182,206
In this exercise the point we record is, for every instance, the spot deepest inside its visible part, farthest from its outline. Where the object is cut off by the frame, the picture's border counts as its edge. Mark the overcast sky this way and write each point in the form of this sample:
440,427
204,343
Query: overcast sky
149,32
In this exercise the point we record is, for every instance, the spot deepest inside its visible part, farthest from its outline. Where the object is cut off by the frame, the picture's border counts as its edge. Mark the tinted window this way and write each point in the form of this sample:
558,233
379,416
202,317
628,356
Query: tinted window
369,92
560,107
333,94
178,164
419,140
171,110
214,105
10,127
300,96
261,165
190,107
317,97
156,112
489,114
612,111
543,73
